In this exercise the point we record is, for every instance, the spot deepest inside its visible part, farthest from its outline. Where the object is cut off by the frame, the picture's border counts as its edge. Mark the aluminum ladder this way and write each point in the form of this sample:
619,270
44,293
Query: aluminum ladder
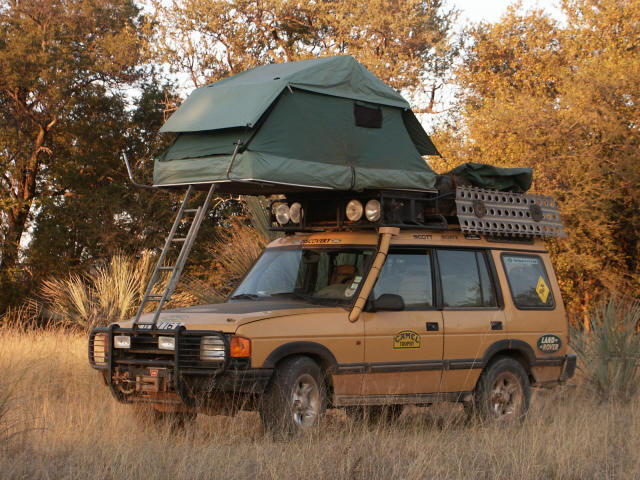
171,242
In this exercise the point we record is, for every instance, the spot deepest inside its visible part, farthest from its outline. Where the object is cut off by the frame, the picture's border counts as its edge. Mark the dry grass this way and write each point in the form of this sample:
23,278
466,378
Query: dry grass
63,423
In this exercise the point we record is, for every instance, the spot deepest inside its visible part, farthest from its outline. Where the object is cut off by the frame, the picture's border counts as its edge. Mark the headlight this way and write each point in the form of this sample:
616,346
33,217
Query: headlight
212,349
296,213
100,349
354,210
372,210
167,343
282,213
122,341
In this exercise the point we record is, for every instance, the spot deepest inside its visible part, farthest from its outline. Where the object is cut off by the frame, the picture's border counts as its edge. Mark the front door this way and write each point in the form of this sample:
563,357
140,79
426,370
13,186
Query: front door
403,349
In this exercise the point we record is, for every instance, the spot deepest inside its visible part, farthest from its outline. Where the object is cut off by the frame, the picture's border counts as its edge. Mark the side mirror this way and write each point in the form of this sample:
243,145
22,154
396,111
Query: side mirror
388,302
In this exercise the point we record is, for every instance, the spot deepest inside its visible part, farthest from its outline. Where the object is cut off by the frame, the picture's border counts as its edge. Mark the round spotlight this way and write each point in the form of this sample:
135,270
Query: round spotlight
354,210
296,213
282,213
372,210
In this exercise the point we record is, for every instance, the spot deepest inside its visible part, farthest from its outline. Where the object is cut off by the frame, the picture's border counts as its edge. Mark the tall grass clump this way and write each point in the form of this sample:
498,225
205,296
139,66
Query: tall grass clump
608,348
108,293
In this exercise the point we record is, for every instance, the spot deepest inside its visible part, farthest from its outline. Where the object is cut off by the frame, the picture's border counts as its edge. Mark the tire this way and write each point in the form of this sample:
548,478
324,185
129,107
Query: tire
373,414
296,399
502,393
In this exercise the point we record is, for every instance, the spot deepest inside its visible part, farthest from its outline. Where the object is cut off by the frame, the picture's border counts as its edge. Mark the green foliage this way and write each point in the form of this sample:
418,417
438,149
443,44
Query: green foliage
109,293
608,347
54,56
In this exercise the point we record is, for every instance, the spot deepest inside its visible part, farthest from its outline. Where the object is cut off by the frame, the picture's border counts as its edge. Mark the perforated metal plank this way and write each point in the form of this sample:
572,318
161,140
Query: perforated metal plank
504,213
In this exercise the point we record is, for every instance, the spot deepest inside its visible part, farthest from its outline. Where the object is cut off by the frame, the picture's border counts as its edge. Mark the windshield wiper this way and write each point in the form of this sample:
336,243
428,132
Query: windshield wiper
245,296
291,294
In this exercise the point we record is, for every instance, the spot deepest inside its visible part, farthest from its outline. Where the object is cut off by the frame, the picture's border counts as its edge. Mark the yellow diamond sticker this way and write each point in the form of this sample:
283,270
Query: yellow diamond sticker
542,290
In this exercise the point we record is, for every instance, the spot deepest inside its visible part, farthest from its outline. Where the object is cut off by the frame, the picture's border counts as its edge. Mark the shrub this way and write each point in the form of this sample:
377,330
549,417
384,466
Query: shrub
240,243
608,348
109,293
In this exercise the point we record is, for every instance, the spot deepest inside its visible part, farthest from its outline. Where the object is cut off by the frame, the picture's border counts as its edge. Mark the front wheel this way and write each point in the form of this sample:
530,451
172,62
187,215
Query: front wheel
296,399
503,392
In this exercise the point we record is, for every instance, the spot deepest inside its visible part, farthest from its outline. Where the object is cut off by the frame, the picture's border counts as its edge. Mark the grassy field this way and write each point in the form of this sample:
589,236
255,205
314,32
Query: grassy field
57,420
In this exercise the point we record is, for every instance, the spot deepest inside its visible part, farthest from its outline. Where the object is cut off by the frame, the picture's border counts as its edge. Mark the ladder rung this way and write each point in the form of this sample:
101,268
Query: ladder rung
154,297
171,267
190,210
179,239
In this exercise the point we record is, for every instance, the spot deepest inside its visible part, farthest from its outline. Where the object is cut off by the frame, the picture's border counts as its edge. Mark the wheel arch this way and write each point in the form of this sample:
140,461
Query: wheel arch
514,348
316,351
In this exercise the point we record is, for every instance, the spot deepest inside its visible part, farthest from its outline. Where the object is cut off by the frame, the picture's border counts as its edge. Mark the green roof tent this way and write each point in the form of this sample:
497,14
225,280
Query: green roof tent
321,123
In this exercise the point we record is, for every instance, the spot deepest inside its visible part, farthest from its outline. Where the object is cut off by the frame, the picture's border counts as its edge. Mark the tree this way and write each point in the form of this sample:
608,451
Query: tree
51,53
407,43
564,99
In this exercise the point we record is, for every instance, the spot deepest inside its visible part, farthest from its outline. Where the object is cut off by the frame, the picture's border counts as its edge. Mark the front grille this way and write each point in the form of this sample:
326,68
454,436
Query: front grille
144,351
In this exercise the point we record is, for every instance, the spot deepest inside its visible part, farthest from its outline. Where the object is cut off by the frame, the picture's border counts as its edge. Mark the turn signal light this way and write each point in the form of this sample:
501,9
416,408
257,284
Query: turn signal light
240,347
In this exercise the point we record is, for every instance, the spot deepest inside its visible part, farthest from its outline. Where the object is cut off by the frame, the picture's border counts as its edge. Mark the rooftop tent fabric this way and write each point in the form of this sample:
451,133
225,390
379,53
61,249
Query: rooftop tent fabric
480,175
324,123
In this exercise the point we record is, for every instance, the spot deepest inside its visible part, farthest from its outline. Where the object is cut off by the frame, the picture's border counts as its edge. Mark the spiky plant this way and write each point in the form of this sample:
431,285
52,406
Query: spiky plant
106,294
609,348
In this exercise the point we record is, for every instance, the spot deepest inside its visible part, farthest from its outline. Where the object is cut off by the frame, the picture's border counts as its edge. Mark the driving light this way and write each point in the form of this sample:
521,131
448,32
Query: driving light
122,341
296,213
212,349
354,210
100,349
372,210
167,343
240,347
282,213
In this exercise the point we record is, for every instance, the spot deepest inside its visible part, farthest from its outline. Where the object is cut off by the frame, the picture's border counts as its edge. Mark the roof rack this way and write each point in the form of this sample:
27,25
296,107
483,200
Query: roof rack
470,209
505,213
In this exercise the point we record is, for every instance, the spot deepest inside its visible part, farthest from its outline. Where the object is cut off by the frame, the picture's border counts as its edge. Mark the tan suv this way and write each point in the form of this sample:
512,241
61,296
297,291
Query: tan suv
358,314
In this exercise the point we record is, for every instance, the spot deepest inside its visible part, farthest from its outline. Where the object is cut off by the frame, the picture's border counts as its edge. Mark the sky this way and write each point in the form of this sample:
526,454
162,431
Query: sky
491,10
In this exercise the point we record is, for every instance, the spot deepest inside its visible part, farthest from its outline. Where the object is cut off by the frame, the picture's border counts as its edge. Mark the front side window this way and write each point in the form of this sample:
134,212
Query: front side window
528,281
466,282
407,275
311,274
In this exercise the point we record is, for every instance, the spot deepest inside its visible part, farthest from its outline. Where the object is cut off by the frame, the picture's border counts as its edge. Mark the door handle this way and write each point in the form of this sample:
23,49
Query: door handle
433,327
496,325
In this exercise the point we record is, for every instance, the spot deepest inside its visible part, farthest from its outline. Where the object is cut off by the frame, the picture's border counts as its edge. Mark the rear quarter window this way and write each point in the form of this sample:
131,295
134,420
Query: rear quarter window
528,281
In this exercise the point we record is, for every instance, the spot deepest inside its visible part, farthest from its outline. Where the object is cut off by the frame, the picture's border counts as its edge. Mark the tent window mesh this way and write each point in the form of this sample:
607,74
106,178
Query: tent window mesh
367,117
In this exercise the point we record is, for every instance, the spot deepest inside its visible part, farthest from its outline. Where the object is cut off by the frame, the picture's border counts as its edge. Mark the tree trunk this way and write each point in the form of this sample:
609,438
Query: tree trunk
18,215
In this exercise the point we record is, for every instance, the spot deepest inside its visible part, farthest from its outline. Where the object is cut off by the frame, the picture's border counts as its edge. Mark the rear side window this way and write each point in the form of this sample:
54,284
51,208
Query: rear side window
466,282
528,281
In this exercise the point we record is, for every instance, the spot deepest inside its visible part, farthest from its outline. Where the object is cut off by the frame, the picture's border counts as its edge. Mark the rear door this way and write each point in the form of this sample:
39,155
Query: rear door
403,349
472,313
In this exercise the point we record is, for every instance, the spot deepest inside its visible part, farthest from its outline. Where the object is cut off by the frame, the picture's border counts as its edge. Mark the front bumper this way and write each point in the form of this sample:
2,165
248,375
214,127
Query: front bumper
144,372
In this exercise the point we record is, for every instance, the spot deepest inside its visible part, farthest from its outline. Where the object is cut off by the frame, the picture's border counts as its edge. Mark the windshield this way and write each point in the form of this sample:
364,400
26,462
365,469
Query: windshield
318,275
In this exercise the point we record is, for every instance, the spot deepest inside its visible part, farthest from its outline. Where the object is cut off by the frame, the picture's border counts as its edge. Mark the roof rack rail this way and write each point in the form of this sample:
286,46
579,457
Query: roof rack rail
472,210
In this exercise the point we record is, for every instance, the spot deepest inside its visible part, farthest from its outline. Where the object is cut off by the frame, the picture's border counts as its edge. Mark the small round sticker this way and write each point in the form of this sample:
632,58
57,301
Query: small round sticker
549,343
